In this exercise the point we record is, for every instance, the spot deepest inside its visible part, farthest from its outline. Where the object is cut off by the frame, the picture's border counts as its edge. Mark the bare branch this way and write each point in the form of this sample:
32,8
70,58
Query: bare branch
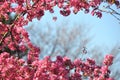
111,11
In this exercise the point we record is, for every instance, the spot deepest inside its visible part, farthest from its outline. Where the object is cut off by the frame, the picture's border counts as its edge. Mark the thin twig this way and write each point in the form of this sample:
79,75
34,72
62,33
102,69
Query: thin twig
5,35
113,10
115,17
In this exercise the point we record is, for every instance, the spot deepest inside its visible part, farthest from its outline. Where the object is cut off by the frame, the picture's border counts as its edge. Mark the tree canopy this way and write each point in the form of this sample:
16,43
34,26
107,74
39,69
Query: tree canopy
15,42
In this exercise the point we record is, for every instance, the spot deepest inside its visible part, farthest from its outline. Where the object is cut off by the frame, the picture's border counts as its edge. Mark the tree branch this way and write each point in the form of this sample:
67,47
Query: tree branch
12,25
112,12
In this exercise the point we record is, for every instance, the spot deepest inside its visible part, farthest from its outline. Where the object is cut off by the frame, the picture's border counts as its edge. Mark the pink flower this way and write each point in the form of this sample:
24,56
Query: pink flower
65,12
12,46
54,18
108,60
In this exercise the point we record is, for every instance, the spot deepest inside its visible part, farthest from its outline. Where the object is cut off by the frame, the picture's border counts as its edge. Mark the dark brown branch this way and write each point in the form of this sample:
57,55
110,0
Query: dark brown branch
115,17
112,12
5,35
115,12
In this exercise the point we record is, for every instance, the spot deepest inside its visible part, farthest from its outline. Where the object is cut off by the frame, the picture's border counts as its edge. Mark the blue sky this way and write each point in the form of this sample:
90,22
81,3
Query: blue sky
105,31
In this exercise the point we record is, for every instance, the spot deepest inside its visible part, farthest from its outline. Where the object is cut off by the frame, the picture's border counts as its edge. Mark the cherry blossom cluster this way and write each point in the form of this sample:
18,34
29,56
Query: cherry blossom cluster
12,68
15,39
15,43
